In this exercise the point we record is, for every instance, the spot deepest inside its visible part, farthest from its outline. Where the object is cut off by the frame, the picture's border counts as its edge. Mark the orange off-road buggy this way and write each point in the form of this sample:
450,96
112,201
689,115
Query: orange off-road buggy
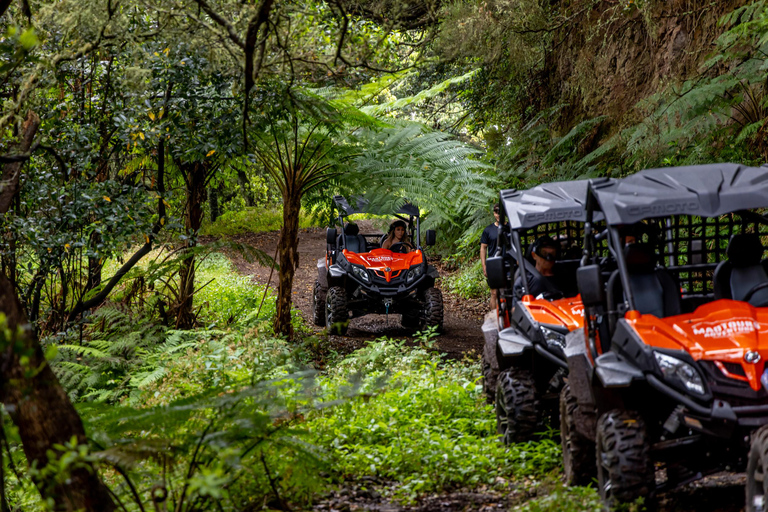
524,362
357,277
668,383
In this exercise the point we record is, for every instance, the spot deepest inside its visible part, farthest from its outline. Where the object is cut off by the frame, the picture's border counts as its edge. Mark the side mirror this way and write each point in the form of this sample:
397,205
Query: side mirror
330,236
430,237
591,286
496,275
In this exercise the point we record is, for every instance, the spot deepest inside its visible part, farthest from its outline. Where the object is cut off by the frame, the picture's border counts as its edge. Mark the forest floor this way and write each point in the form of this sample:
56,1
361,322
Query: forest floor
723,492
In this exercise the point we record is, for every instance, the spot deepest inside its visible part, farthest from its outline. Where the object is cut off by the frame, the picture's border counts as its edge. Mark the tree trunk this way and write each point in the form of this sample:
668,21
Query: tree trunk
214,198
289,261
193,218
42,411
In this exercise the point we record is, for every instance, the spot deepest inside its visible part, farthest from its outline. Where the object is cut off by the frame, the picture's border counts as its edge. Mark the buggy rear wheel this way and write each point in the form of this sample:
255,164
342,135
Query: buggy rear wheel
624,467
578,450
336,312
490,377
517,407
432,314
757,471
318,305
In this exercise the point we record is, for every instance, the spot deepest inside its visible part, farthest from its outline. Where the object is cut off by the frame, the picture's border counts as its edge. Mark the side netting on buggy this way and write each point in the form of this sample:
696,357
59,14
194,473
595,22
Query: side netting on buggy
692,246
569,234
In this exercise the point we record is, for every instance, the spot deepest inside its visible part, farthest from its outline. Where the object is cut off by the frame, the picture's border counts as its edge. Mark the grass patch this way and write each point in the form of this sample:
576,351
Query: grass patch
564,499
427,429
251,220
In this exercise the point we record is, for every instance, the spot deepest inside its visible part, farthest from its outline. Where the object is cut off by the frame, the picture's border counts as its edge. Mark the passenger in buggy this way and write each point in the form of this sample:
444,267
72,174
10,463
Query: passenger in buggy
543,278
397,236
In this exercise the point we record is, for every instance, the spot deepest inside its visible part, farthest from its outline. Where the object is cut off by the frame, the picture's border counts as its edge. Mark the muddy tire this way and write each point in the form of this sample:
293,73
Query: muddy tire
624,467
490,377
757,471
336,312
318,305
578,450
518,413
432,315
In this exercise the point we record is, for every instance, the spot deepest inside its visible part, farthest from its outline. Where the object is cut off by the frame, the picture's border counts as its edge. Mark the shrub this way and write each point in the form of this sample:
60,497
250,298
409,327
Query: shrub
469,282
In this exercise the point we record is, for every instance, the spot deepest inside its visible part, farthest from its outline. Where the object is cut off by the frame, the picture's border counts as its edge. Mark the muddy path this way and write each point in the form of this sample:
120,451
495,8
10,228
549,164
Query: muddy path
462,322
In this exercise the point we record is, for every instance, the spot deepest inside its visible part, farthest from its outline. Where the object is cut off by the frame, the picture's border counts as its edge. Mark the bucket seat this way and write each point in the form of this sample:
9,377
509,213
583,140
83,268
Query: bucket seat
742,271
355,242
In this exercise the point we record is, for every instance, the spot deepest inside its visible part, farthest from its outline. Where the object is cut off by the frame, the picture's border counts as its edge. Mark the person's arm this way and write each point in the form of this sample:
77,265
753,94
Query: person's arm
483,254
388,242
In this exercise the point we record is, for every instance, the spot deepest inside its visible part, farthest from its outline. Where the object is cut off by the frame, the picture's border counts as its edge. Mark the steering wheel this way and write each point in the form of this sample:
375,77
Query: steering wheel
754,290
552,295
401,247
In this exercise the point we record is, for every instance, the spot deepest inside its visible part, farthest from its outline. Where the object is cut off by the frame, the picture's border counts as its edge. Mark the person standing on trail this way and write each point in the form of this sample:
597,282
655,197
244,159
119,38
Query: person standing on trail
488,245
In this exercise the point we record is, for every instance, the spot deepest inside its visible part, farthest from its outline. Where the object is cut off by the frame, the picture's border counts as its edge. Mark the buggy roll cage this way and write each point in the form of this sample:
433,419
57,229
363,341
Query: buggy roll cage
701,195
555,202
364,206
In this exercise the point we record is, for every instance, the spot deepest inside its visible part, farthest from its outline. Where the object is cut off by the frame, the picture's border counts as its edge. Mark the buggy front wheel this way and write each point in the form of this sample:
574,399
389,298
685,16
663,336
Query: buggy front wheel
336,312
757,471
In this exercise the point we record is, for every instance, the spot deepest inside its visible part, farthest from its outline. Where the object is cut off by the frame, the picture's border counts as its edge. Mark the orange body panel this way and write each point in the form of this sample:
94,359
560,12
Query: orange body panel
386,263
722,331
566,312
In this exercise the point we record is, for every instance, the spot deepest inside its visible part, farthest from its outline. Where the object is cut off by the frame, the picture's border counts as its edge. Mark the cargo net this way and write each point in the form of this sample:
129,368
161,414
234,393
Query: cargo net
691,247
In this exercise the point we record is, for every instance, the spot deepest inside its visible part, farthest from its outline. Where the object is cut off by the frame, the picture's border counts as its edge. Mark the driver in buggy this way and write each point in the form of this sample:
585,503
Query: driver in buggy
397,236
543,276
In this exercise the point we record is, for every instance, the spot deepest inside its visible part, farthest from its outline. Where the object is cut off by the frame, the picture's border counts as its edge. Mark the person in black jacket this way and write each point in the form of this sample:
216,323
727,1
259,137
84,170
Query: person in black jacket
488,245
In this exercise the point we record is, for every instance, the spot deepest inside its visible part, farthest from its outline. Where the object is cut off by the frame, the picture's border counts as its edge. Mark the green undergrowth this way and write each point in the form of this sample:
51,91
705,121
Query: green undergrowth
251,220
421,423
468,282
560,498
233,418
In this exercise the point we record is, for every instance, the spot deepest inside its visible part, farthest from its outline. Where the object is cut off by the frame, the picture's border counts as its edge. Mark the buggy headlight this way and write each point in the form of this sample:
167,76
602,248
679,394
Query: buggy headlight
414,273
553,337
361,273
674,369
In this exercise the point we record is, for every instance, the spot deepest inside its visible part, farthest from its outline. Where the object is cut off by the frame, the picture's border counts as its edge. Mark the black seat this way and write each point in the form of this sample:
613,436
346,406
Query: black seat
653,288
355,242
742,271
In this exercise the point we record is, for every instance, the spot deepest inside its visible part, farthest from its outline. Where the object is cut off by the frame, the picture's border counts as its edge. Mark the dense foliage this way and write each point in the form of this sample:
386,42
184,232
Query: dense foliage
131,127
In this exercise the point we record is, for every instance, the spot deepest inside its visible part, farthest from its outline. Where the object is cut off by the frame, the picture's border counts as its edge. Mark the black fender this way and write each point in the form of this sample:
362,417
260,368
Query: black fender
322,274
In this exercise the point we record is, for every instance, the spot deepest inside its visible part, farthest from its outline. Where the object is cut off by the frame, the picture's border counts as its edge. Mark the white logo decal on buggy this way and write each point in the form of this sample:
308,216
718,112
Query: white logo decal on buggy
725,329
577,311
381,258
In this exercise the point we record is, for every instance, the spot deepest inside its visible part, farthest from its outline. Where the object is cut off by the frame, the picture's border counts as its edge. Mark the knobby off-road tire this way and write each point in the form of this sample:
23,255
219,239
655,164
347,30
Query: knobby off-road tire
336,312
518,411
757,472
578,450
490,378
433,309
624,467
318,305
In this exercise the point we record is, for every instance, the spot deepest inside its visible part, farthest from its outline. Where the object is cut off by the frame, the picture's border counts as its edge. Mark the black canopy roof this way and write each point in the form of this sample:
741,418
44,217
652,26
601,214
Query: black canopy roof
706,190
548,202
365,206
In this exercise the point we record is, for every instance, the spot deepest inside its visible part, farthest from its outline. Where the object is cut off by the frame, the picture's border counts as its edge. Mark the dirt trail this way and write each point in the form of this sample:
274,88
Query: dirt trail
462,318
